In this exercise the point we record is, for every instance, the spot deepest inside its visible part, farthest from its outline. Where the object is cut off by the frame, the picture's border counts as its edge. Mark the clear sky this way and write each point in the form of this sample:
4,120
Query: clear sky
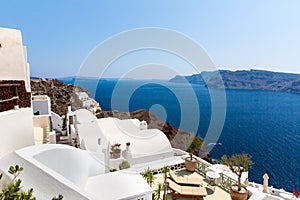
236,34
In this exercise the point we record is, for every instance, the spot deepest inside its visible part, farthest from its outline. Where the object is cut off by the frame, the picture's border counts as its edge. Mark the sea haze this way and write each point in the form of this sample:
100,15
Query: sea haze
264,124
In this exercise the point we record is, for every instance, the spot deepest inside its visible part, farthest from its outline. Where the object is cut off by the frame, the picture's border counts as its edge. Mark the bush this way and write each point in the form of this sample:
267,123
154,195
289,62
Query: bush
12,191
124,165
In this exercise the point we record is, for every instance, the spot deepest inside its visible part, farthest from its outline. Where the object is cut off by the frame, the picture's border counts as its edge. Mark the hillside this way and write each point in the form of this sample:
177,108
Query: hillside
247,80
61,95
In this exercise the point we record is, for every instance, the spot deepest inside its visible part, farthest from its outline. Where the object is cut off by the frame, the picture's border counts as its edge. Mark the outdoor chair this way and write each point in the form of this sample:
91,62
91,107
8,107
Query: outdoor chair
186,180
191,191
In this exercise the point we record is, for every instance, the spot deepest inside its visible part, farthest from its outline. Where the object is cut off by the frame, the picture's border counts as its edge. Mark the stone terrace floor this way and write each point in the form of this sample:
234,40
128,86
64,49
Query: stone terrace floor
213,192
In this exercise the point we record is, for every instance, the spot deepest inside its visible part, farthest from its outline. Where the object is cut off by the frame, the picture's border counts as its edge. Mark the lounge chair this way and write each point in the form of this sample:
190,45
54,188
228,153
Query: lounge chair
178,190
186,180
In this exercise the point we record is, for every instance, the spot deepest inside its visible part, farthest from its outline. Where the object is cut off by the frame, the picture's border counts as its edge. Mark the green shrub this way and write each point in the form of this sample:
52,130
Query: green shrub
196,143
12,191
124,165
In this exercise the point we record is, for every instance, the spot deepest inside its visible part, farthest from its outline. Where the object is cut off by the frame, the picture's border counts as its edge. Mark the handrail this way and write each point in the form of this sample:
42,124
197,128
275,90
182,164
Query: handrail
226,181
13,98
9,84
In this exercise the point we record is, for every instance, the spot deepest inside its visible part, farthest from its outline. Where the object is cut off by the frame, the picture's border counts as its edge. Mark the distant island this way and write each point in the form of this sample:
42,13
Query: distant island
246,80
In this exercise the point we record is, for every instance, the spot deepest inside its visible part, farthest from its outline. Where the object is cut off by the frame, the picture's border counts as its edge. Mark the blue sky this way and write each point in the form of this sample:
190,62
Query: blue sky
236,34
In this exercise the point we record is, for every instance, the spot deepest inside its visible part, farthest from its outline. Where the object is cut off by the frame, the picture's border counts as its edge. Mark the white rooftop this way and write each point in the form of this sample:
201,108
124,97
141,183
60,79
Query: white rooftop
119,185
146,145
74,173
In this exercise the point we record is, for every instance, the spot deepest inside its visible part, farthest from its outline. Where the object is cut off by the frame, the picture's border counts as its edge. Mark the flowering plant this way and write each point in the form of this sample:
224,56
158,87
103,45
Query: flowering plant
296,193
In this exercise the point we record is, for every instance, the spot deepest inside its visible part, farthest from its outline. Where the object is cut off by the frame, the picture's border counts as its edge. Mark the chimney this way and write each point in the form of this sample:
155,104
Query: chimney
143,125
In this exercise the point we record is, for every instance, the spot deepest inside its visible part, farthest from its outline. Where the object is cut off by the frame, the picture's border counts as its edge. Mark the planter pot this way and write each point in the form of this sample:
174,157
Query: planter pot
190,165
238,195
116,153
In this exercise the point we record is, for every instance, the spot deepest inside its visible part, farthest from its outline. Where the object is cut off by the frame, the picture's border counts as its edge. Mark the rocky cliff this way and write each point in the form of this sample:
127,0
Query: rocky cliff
62,95
246,80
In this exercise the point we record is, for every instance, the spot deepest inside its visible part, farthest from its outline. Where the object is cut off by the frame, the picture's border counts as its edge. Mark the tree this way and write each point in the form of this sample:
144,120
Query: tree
12,191
165,171
238,164
195,145
156,193
149,176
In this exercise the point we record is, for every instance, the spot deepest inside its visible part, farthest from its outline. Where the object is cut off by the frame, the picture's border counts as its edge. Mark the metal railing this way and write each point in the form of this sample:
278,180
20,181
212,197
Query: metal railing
226,181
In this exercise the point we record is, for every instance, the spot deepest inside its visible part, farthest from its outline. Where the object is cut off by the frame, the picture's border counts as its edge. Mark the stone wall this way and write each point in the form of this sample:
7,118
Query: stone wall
7,92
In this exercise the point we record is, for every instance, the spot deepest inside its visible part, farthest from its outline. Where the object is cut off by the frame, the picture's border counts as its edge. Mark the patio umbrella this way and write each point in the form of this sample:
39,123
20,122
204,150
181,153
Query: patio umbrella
266,179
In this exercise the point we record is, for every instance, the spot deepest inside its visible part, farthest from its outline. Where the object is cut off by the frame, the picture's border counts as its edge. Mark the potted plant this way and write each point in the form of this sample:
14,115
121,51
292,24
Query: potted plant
190,163
115,150
238,164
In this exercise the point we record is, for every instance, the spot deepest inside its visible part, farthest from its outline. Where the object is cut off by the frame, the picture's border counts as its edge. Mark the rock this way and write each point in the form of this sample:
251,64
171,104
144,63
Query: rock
61,95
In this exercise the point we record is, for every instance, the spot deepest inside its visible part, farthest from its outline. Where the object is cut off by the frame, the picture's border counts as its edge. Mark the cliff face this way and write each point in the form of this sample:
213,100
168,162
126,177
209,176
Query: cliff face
247,80
62,95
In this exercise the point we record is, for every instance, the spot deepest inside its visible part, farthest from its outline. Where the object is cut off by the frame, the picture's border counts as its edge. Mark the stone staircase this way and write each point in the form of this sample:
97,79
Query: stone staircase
46,131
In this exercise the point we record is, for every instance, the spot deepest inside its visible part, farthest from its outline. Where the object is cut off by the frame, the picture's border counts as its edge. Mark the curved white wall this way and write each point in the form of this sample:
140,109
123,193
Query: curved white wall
74,164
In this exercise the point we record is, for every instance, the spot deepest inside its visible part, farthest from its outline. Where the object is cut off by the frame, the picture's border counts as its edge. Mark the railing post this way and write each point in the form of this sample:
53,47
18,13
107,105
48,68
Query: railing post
16,98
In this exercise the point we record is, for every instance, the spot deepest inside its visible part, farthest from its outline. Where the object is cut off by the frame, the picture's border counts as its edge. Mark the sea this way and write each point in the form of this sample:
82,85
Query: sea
263,124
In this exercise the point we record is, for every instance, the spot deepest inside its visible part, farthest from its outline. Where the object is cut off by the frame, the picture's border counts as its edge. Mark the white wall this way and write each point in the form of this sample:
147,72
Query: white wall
43,106
56,121
41,121
13,57
16,130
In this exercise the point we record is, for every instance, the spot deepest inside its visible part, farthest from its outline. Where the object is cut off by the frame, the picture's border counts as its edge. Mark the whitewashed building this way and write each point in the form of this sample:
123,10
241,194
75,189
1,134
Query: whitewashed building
16,123
87,102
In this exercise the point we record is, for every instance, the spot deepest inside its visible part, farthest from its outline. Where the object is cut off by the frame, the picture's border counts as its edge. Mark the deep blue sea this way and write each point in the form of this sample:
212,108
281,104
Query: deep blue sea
264,124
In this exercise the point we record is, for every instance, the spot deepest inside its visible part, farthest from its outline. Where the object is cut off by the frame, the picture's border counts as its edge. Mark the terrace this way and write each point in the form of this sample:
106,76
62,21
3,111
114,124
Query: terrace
218,189
214,191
